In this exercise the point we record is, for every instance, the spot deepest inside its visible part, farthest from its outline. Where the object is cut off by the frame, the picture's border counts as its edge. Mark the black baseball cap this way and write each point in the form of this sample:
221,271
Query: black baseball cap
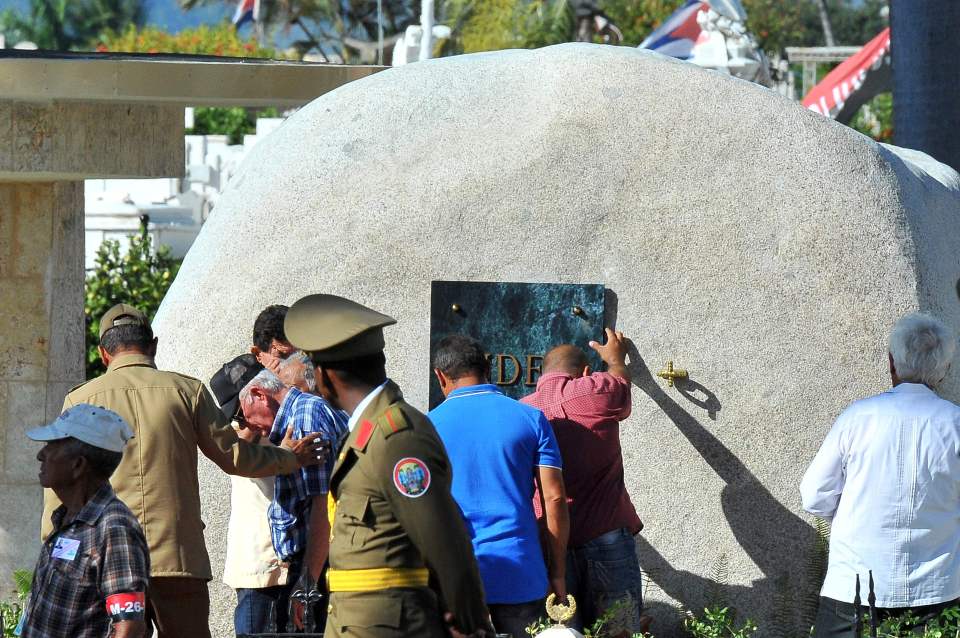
232,377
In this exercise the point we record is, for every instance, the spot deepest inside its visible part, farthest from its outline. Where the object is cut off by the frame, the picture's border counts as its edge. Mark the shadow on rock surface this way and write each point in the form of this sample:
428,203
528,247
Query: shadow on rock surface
776,539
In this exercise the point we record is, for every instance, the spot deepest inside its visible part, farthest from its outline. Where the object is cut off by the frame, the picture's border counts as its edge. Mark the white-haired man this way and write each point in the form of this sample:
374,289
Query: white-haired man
888,476
298,519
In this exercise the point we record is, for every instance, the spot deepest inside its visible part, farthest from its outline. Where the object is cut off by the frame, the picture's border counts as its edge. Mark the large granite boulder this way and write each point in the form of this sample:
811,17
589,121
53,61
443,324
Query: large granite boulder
764,248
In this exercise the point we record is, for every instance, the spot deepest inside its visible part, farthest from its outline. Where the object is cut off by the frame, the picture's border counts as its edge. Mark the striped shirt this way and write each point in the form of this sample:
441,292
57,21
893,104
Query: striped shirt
293,493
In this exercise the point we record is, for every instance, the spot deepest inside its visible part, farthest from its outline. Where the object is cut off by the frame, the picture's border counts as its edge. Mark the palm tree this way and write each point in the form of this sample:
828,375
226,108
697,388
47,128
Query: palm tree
62,25
45,26
926,77
825,22
347,28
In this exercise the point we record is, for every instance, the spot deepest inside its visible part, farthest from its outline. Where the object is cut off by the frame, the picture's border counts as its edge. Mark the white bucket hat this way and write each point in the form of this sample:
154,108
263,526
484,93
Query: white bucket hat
92,424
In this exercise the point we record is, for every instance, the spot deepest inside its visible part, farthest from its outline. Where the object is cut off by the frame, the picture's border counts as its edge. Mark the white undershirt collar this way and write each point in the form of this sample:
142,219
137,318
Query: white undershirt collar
367,400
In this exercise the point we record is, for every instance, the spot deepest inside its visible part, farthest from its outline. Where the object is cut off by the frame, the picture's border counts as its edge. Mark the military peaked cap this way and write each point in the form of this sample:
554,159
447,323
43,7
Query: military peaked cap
332,328
122,315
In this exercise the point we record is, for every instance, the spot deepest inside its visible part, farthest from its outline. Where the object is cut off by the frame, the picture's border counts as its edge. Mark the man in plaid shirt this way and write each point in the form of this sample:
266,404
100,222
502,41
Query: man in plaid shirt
91,577
298,513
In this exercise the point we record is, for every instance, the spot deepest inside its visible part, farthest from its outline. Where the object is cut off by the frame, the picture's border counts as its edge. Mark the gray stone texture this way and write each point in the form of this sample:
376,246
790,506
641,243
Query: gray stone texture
41,345
766,249
74,141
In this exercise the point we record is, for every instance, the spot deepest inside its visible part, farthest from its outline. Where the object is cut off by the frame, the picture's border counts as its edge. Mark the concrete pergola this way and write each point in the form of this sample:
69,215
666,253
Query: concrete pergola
810,57
65,118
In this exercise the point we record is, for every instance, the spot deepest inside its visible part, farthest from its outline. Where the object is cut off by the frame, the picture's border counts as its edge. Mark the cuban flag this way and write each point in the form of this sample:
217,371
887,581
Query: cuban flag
678,33
247,11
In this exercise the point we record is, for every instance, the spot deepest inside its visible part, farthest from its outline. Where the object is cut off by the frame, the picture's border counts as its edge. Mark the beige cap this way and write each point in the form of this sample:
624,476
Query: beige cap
122,315
332,328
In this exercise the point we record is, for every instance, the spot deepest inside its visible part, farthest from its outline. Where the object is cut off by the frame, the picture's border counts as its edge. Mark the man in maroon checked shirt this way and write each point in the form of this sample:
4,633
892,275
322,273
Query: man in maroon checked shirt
585,409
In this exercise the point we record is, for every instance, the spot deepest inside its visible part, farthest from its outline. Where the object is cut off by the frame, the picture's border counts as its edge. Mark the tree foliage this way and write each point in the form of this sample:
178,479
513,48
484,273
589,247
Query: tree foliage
637,18
875,118
221,40
140,277
857,22
777,24
330,27
62,25
234,122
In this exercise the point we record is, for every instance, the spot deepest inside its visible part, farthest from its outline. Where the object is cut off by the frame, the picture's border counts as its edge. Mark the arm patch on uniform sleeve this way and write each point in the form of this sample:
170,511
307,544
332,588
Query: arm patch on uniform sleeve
411,477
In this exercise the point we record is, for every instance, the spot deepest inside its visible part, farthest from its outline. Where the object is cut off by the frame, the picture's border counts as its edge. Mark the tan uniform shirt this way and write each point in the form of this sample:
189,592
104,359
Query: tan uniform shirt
394,509
172,415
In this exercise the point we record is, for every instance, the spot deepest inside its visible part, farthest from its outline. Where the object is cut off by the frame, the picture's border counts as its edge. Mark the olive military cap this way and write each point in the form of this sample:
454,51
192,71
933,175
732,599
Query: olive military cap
122,315
332,328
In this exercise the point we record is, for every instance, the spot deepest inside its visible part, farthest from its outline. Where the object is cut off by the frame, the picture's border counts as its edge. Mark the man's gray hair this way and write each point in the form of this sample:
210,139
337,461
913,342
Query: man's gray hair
922,348
301,367
265,380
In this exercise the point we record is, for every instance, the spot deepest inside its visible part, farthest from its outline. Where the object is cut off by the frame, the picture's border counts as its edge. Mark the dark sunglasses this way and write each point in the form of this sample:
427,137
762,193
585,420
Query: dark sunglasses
240,419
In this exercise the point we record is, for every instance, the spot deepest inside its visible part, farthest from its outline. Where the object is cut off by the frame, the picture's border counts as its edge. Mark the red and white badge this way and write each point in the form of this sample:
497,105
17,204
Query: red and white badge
411,476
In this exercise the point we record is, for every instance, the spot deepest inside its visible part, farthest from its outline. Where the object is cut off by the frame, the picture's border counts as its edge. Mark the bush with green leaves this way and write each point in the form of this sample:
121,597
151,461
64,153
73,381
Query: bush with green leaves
718,622
233,121
946,625
140,277
875,118
10,611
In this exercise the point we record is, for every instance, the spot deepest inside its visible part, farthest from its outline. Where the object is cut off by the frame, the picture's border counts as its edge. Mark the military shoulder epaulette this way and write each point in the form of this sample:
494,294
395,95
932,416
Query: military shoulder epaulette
392,421
389,423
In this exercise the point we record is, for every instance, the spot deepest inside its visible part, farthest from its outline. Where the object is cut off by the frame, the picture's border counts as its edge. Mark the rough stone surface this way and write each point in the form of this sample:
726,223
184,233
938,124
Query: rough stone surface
68,140
41,344
764,248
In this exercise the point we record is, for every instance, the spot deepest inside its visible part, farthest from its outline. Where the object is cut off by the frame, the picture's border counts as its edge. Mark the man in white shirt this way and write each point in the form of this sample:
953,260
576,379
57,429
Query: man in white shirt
888,477
251,566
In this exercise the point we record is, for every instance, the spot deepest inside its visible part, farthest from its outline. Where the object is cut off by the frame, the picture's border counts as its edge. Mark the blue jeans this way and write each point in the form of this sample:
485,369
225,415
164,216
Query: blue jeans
254,612
605,573
513,619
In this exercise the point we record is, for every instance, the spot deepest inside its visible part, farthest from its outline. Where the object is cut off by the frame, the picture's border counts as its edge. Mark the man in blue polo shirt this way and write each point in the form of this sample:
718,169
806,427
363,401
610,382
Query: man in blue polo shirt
498,449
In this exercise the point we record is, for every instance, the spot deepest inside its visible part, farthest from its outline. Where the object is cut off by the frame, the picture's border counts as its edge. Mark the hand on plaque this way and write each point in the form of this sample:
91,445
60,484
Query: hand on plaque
614,351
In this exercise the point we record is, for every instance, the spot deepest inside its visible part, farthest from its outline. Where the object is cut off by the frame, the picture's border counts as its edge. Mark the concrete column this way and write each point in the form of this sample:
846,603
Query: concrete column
47,149
41,343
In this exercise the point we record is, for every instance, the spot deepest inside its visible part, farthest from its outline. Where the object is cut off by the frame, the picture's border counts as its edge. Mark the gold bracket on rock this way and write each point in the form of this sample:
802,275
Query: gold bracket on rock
669,373
561,613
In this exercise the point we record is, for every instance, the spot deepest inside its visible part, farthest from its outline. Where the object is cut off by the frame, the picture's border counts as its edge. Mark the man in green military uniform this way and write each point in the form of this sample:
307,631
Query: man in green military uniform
397,537
172,416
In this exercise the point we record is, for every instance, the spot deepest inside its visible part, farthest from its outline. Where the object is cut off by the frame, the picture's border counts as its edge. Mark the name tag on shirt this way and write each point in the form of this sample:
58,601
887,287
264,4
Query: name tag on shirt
65,548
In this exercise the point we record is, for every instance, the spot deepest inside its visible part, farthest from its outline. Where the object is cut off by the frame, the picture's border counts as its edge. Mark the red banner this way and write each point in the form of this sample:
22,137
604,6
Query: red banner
835,90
